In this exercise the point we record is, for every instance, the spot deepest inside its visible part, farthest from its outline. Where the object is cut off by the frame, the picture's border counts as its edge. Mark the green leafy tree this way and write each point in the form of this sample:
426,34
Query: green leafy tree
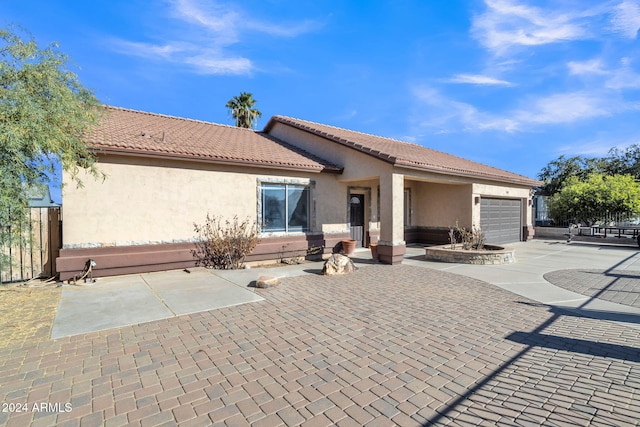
589,200
558,171
617,162
44,114
623,162
242,110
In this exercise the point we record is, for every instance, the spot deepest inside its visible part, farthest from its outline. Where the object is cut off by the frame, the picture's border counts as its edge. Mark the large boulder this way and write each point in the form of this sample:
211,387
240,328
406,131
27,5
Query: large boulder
264,282
338,264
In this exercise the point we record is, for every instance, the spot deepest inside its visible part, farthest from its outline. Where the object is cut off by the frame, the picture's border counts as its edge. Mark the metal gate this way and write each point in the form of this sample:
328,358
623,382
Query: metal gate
33,253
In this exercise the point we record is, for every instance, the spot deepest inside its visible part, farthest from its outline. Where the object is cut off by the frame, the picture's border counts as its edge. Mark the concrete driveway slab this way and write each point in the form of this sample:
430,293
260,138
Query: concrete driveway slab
108,303
114,302
201,290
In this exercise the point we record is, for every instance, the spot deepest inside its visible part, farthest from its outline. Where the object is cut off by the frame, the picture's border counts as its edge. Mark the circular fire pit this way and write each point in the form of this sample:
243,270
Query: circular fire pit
489,255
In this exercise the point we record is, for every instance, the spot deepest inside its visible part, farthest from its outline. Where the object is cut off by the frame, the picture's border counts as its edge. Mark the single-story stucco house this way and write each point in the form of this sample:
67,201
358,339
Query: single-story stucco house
306,184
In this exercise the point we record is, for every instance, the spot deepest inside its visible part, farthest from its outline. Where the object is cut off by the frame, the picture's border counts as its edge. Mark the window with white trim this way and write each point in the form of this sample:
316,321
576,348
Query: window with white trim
285,207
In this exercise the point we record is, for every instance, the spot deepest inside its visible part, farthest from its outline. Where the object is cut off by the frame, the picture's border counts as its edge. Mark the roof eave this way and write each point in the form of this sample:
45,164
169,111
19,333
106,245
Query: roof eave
524,181
345,143
460,172
231,162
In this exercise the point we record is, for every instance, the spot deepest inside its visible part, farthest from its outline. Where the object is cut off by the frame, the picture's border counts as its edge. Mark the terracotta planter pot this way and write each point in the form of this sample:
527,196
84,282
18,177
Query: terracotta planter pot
374,250
349,246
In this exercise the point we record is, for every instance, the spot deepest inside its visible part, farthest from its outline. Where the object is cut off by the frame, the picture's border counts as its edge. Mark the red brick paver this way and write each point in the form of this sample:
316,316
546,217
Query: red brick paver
386,345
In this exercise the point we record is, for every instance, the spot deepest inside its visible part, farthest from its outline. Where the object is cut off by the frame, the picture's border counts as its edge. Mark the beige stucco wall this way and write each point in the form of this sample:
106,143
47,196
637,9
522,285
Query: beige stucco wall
437,200
441,205
154,201
392,209
361,173
357,166
146,201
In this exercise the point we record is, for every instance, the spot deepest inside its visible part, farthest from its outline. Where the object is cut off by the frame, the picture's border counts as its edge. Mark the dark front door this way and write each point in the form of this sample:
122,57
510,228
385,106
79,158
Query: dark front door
356,218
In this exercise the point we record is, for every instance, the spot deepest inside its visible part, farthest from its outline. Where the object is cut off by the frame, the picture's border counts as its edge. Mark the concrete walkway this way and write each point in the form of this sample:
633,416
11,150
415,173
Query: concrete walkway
386,345
537,258
114,302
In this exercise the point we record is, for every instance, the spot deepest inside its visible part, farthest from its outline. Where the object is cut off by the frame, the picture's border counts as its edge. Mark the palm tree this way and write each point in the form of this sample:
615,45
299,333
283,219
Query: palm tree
241,109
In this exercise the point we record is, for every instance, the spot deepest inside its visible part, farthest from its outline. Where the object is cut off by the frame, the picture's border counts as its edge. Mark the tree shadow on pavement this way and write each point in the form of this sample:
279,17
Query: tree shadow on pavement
536,339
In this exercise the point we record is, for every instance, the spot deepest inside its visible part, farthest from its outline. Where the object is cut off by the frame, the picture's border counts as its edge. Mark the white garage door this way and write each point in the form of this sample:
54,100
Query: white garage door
501,220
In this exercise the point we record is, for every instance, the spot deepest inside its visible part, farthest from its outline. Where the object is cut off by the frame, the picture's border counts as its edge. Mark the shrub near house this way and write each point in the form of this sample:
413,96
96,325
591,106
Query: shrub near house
224,244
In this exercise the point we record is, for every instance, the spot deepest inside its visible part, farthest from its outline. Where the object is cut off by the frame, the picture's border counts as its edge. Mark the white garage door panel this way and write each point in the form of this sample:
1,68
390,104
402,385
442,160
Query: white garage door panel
500,220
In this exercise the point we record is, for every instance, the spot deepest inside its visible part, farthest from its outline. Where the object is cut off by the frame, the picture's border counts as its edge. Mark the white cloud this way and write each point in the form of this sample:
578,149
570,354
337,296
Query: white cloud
593,66
564,108
591,149
508,23
228,23
624,80
478,79
626,18
292,30
207,63
148,50
442,114
623,77
202,61
208,15
446,115
205,43
597,147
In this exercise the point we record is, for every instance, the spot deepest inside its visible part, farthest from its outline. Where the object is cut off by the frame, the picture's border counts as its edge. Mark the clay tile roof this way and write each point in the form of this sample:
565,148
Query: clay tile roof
138,133
404,154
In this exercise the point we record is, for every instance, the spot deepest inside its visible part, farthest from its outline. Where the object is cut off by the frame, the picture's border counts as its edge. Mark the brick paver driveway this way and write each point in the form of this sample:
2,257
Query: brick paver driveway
397,345
619,286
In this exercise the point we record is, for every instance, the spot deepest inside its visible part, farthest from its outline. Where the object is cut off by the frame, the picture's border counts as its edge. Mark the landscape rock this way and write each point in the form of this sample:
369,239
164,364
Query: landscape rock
293,261
264,282
338,264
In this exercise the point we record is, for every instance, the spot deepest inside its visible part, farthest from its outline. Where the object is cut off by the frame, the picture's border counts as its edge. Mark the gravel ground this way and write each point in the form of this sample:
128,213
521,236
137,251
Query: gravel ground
27,313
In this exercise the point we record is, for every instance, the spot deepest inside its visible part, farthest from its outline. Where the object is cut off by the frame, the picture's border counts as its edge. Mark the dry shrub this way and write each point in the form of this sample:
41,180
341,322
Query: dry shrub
473,239
224,244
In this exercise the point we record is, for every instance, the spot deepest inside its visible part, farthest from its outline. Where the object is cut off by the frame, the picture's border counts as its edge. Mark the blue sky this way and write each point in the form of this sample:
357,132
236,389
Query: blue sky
510,83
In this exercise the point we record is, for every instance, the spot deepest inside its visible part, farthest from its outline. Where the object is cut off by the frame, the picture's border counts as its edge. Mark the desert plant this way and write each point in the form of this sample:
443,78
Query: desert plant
224,244
477,241
473,239
453,239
